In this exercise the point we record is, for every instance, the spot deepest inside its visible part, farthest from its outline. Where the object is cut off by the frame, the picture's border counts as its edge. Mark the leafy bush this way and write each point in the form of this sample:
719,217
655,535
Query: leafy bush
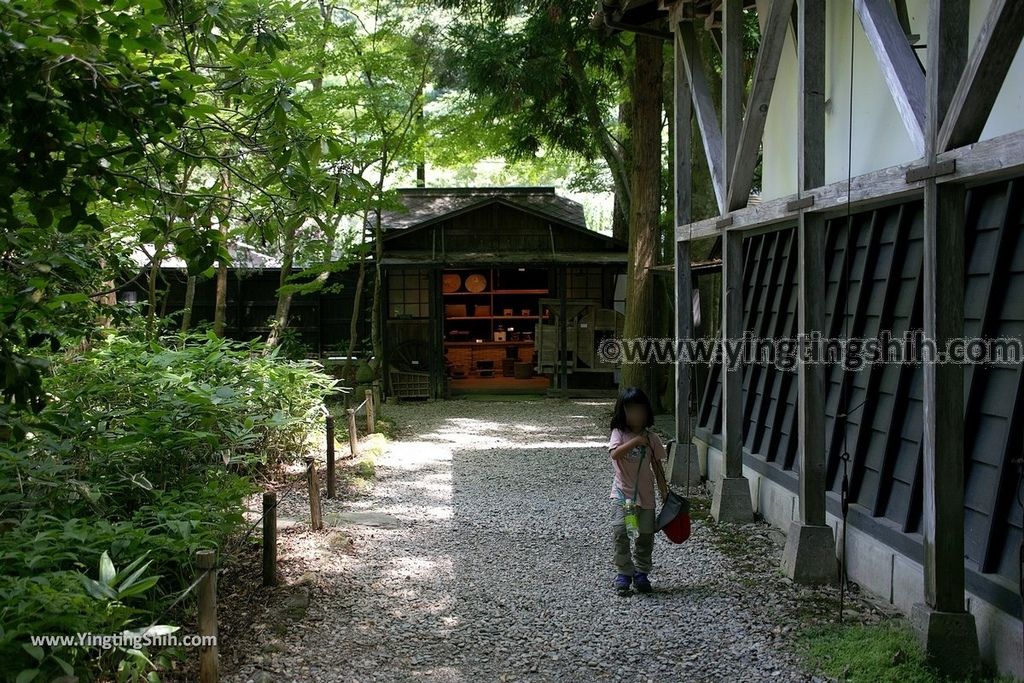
145,450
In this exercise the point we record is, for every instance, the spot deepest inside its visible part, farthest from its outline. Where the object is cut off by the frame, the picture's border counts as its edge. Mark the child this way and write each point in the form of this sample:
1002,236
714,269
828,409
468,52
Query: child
630,445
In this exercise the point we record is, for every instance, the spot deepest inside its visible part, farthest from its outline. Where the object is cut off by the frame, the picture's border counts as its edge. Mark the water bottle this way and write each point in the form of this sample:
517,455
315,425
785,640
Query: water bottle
630,519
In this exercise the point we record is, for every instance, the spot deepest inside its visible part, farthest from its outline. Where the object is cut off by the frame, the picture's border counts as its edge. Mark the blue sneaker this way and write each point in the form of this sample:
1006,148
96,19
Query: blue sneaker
622,582
642,583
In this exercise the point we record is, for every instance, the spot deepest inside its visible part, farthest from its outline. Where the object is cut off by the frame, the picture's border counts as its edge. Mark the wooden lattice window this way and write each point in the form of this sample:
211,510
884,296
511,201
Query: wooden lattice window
408,293
584,283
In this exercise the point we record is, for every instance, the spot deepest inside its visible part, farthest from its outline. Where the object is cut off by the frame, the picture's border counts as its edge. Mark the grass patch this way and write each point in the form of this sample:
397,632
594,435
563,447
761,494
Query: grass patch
887,652
386,426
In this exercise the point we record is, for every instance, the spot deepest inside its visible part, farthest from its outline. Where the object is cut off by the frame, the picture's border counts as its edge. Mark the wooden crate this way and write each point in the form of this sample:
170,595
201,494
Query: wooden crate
410,384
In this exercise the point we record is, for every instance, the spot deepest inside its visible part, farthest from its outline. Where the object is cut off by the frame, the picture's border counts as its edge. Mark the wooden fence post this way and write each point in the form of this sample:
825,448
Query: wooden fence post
371,417
208,667
353,435
270,538
330,457
315,520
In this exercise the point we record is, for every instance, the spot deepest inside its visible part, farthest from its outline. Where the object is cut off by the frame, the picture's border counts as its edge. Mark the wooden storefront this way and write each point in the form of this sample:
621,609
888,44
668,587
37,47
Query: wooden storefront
497,290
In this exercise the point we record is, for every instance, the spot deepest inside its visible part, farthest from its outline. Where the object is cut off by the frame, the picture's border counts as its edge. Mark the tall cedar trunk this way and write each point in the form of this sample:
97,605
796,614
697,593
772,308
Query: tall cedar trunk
620,212
645,203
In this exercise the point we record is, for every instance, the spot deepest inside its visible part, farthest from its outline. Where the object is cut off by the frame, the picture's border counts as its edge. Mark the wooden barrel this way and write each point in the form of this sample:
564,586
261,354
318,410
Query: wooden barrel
450,282
476,282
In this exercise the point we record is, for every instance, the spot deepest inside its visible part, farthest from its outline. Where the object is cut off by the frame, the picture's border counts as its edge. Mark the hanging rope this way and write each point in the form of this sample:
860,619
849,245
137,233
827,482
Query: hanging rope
845,456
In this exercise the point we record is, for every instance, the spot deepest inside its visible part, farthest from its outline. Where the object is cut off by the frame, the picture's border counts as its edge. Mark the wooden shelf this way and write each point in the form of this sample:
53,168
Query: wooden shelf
488,343
524,294
495,317
488,292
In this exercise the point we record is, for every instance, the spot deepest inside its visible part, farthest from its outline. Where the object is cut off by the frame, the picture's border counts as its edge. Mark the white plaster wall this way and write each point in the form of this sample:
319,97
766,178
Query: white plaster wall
879,137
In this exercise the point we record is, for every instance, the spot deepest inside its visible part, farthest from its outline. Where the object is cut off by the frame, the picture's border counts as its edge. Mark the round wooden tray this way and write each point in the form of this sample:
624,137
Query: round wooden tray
450,282
476,283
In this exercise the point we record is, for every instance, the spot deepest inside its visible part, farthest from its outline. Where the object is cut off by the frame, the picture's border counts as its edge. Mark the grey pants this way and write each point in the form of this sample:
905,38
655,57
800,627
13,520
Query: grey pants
639,560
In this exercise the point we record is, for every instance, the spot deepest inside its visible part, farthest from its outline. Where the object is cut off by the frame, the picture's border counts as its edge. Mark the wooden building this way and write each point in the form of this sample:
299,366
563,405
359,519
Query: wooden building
497,290
319,323
890,137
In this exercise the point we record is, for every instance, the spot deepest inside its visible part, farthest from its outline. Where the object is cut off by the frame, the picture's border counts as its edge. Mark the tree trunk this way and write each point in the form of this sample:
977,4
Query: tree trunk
221,306
357,307
284,299
620,214
190,297
375,315
154,272
645,202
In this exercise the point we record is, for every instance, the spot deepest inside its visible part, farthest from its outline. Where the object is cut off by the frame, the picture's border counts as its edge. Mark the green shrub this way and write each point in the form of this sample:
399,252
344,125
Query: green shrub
145,450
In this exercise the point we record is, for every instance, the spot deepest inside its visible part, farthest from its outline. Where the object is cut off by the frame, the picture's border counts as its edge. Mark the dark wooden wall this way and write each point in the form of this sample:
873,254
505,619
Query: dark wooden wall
499,229
881,257
321,320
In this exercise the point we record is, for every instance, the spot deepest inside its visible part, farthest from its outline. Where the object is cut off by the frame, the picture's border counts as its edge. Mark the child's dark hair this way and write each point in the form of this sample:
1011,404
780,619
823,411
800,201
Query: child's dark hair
631,396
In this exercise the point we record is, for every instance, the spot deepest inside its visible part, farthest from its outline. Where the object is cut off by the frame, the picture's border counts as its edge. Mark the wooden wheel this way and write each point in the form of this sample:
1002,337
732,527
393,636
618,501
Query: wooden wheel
412,355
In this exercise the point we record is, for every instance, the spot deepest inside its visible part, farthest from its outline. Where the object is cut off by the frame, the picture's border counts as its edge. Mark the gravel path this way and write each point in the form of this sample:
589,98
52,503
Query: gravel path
489,559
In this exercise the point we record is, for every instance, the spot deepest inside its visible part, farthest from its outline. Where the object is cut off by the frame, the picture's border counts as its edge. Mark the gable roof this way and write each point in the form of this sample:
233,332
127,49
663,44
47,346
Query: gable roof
424,205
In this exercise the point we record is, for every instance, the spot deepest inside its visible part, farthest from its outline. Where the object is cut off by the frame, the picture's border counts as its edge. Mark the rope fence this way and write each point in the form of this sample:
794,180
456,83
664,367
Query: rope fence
208,566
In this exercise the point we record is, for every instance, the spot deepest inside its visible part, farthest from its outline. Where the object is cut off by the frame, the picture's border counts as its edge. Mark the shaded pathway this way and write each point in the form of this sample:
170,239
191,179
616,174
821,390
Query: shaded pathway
490,560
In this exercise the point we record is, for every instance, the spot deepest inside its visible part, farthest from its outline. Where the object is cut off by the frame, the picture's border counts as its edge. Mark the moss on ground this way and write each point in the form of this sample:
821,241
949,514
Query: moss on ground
888,651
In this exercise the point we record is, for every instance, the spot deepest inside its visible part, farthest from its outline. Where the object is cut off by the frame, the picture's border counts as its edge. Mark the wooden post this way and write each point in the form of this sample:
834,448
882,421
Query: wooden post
810,553
948,632
330,457
811,260
371,417
209,670
270,538
732,379
313,482
732,88
563,328
731,501
353,434
683,111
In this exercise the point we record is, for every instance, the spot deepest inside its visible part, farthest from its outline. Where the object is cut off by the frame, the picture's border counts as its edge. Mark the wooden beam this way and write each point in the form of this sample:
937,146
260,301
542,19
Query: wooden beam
942,483
683,114
682,155
684,330
900,67
983,77
732,89
811,376
762,86
811,260
810,116
732,379
704,108
983,162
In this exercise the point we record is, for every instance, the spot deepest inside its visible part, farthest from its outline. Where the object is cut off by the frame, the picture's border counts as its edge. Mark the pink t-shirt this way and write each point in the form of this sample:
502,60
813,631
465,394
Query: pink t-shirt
626,468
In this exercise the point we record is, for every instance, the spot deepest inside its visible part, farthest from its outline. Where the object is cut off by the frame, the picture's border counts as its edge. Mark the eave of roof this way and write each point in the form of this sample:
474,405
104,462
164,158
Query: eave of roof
451,202
504,258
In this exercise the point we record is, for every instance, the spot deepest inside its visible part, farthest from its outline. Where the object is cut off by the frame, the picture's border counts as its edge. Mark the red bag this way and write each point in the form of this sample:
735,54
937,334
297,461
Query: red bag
674,516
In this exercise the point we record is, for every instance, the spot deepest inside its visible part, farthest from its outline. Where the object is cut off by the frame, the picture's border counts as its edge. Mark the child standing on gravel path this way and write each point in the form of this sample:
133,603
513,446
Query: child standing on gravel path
630,446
